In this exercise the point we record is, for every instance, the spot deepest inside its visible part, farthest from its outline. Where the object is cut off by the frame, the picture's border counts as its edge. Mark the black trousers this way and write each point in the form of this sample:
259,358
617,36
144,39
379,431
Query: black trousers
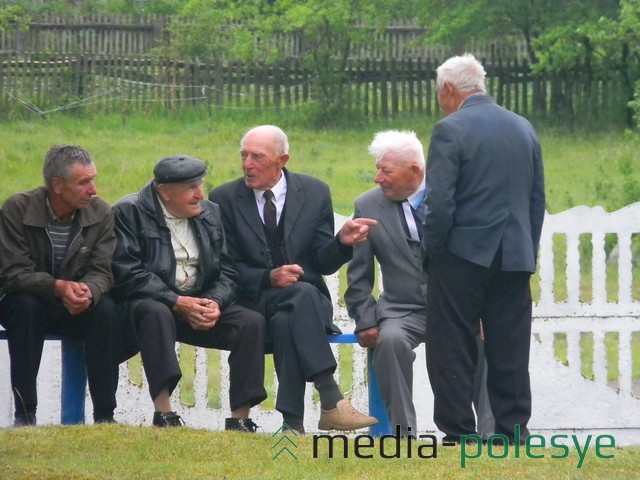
239,330
297,317
28,318
459,294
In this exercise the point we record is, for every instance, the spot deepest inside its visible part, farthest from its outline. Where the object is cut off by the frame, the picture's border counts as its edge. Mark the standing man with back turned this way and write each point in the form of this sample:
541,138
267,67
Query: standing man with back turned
56,247
279,226
485,208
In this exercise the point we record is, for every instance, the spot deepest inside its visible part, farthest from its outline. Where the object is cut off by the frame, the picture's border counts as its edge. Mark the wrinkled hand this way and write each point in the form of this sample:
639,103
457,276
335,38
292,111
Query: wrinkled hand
76,296
200,313
368,338
356,231
285,275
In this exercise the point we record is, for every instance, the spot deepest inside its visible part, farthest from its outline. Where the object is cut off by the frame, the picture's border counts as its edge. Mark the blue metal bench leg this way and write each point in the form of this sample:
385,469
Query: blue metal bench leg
377,407
74,382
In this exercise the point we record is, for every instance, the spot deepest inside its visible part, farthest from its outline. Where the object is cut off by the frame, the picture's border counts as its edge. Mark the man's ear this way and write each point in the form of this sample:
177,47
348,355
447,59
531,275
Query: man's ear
162,191
56,185
284,158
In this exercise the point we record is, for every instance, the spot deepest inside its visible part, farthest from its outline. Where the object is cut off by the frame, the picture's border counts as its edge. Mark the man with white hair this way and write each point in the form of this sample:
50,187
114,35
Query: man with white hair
482,227
394,323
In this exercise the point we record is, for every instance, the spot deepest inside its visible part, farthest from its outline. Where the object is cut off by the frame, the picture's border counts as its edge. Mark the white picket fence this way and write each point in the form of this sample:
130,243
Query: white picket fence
564,400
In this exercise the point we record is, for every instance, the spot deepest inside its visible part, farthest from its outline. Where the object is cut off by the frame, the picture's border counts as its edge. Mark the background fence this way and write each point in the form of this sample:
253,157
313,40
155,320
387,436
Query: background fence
128,35
34,84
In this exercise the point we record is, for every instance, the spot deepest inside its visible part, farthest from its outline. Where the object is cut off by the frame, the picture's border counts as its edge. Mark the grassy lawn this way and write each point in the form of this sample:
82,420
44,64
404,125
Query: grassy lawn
125,153
123,452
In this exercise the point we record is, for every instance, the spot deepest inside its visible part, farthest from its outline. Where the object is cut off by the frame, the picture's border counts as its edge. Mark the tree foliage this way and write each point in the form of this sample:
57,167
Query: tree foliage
13,17
454,22
325,34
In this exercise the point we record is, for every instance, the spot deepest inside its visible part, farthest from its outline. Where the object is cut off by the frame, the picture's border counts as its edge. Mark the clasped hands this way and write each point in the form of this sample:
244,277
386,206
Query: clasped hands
200,313
76,296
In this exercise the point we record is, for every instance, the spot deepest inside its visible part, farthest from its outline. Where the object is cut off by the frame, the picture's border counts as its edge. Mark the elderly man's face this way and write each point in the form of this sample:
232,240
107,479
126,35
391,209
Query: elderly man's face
261,165
77,191
397,179
182,200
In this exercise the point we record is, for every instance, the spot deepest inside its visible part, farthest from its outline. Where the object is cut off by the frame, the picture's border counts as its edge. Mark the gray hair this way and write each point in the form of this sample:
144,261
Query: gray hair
404,143
280,138
59,161
463,72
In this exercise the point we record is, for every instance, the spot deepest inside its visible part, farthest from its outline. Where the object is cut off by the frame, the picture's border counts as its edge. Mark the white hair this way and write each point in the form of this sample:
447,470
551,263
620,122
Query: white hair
463,72
403,143
281,141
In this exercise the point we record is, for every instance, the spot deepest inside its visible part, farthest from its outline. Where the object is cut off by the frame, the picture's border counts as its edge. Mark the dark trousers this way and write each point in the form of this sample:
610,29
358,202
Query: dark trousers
239,330
28,319
459,294
297,317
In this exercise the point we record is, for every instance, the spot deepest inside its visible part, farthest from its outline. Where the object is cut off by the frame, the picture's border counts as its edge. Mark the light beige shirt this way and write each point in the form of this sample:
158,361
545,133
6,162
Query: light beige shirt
185,248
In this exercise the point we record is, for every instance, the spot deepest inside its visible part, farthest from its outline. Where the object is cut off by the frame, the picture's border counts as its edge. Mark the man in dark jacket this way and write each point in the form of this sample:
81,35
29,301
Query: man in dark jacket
280,230
56,245
484,214
176,281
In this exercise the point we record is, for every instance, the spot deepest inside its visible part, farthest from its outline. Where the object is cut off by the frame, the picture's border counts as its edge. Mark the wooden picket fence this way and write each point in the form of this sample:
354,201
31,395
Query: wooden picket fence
138,35
93,84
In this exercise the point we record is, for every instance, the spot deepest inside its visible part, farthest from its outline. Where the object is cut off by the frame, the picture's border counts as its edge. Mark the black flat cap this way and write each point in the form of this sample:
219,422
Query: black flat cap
179,169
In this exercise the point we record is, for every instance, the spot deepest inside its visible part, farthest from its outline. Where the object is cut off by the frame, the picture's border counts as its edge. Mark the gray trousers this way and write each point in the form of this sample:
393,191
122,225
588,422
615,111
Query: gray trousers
393,360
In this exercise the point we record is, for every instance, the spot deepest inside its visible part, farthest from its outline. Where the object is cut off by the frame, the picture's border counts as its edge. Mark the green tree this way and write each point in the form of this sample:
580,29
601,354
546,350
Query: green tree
454,22
325,32
603,48
13,17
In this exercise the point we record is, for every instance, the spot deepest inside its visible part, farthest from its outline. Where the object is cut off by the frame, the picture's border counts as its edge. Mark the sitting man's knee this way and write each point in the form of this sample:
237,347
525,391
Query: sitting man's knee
392,338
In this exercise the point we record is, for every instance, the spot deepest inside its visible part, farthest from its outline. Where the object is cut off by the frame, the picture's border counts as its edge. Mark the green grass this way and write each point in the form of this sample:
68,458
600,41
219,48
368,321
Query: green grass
126,151
124,452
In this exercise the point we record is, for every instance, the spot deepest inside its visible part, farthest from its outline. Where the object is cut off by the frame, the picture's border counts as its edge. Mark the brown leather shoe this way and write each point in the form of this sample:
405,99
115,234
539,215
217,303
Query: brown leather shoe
297,432
344,417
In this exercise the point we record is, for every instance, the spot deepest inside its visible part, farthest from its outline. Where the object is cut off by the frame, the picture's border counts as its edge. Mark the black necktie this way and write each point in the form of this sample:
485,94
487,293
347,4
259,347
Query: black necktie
269,213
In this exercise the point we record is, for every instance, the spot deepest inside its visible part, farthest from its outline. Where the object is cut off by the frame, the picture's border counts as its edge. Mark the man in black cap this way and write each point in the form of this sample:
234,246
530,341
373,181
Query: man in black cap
176,281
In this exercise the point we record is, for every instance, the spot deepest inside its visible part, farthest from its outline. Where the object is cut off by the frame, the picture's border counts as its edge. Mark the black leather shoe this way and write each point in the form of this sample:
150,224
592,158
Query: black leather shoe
167,419
240,425
24,420
104,420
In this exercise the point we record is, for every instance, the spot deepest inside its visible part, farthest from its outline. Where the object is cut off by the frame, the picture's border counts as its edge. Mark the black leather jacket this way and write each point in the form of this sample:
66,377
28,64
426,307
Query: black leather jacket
144,263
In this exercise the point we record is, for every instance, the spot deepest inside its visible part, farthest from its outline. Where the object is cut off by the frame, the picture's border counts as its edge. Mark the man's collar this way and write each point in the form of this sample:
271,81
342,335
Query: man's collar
55,217
277,189
417,197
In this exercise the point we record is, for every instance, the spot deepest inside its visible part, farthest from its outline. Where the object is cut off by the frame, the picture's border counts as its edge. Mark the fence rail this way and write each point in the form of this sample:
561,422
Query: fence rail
371,87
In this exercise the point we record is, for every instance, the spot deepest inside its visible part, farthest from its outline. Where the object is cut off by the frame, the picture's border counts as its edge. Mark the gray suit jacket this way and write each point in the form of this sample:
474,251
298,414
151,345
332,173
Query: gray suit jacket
308,235
404,283
486,187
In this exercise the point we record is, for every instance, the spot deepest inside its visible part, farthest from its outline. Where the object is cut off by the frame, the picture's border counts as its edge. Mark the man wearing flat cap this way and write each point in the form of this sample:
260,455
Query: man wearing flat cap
176,282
